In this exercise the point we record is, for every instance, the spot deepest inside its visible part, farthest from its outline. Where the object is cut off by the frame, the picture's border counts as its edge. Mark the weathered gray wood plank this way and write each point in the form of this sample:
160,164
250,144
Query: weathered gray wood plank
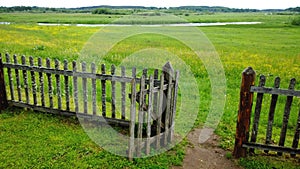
267,90
131,149
155,99
33,82
297,134
168,107
76,74
58,87
75,86
258,106
149,111
174,104
140,116
84,86
10,78
41,80
160,111
271,113
133,72
103,91
286,115
168,73
113,92
25,80
50,90
271,148
94,90
145,74
18,79
3,94
123,91
67,88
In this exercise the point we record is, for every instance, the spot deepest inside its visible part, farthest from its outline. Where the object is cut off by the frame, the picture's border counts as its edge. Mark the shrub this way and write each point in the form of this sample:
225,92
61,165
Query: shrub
107,11
101,11
39,47
296,21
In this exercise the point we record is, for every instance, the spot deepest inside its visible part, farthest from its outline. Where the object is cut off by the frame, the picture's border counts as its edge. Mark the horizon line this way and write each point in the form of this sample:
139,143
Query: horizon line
147,7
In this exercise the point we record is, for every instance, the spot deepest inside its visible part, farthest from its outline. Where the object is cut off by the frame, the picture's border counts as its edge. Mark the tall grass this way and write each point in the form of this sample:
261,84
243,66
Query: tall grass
296,21
59,42
57,18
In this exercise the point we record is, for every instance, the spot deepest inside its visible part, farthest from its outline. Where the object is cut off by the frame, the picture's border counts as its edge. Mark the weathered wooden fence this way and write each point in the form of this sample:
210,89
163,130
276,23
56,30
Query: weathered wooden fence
242,142
148,100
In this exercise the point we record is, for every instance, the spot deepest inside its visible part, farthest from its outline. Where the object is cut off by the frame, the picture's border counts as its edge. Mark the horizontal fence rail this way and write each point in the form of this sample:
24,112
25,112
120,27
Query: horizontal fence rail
78,89
244,138
267,90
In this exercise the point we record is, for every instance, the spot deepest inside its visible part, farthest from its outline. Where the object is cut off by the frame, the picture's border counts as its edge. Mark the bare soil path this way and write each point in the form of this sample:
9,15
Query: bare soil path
205,155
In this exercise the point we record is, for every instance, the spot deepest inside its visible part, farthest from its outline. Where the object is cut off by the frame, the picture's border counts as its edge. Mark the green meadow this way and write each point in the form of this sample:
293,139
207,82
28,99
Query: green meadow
272,48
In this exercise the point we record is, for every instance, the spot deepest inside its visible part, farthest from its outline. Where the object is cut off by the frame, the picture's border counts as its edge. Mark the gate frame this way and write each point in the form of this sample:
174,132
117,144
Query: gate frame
242,143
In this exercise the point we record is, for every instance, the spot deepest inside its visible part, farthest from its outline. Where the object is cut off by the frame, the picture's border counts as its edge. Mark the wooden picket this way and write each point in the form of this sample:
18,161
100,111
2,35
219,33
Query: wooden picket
248,89
54,88
3,95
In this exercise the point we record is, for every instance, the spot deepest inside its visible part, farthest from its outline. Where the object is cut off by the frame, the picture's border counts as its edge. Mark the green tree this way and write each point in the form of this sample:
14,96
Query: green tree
102,11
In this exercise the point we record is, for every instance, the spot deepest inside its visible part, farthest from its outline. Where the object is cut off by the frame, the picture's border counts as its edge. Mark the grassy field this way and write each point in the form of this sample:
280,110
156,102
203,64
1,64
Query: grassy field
57,18
31,139
271,48
269,19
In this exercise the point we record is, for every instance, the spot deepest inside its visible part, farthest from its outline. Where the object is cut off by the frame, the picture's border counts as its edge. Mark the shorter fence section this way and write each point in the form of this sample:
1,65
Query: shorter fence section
242,142
72,89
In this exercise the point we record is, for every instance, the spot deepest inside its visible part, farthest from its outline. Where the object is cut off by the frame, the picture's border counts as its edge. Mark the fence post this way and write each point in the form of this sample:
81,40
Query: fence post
169,76
244,114
3,97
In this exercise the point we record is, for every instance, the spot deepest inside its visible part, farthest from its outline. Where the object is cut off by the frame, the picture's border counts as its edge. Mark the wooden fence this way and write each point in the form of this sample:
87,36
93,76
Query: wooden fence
148,100
242,142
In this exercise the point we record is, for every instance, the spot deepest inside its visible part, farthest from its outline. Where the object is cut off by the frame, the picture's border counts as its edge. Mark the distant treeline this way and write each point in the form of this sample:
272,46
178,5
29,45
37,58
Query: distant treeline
297,9
35,9
226,9
123,10
117,7
91,9
212,9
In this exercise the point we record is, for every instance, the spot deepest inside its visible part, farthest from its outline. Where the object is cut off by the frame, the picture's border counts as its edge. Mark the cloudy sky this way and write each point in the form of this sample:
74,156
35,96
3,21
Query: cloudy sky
255,4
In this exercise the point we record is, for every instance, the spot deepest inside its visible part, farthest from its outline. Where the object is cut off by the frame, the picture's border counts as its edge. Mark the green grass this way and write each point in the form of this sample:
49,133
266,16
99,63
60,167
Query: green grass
266,18
269,162
30,139
271,51
271,48
57,18
45,41
87,18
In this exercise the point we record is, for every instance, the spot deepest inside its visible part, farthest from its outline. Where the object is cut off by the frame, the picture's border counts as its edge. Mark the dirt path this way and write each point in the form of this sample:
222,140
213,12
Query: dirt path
206,155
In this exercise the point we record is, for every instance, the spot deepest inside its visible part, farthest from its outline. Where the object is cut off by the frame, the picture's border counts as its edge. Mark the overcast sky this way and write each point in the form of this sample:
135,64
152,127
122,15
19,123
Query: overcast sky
255,4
